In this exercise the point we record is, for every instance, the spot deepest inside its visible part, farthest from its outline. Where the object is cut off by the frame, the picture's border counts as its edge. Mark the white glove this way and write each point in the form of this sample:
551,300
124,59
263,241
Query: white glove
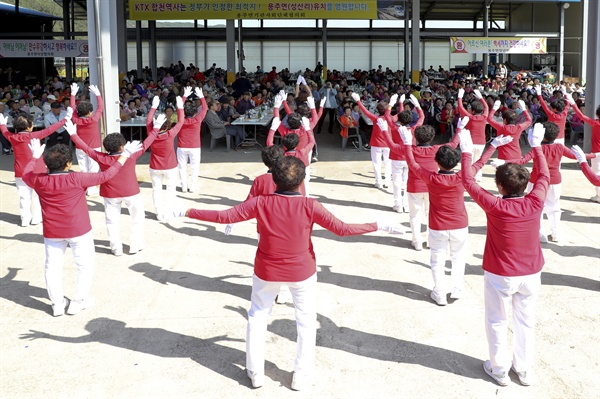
383,125
305,123
415,102
461,93
497,162
522,105
311,102
275,124
462,122
155,102
536,135
69,113
179,102
578,152
94,89
402,99
278,101
304,81
563,89
393,100
131,147
477,94
501,140
322,103
198,91
299,80
70,127
228,228
355,97
538,90
570,99
187,91
3,119
496,106
159,121
466,142
406,135
36,149
283,95
390,228
74,89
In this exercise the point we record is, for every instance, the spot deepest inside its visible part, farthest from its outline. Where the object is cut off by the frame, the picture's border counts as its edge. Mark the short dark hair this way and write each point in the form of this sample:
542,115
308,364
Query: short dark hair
271,155
57,157
447,157
511,116
288,173
513,178
23,122
551,132
131,101
56,105
303,110
424,134
558,105
477,107
190,110
290,141
294,120
113,142
598,112
381,107
405,117
84,108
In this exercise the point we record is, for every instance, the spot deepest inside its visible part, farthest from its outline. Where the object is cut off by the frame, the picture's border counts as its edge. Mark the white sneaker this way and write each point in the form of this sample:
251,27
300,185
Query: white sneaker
258,380
184,189
284,296
397,208
417,245
35,222
524,379
595,198
300,381
117,251
193,190
377,185
456,294
543,239
439,299
501,378
59,310
25,222
79,305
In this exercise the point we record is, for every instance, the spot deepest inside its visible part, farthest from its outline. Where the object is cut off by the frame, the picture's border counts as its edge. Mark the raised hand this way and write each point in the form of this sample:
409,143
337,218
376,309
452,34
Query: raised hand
579,154
305,123
355,97
179,102
37,149
275,124
496,106
406,135
383,125
461,93
570,99
130,148
159,121
497,162
155,101
466,142
462,122
3,119
70,127
311,102
322,103
187,91
477,94
415,102
94,89
522,105
69,113
536,135
501,140
393,100
538,90
74,89
402,99
199,93
390,228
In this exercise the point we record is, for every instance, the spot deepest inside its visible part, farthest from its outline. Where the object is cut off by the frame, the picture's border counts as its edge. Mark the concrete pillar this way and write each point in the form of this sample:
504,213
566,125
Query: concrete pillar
152,59
325,73
230,35
67,31
486,25
138,49
406,43
592,85
121,23
416,40
561,42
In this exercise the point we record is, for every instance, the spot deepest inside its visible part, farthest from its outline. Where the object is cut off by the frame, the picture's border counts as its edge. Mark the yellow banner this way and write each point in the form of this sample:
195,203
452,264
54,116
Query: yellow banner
498,45
150,10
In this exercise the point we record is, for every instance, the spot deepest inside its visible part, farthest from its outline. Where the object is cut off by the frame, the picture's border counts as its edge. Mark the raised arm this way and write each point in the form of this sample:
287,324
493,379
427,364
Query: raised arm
40,134
585,118
484,199
180,119
365,111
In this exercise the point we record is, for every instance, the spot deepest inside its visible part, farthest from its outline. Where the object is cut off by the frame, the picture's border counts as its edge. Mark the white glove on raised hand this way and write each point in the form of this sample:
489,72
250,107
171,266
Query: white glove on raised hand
402,99
69,114
383,125
70,127
466,142
390,228
579,154
322,103
159,121
278,101
522,105
415,102
3,119
74,89
563,89
299,80
198,91
304,81
187,91
228,228
94,89
355,97
536,135
275,124
538,90
570,99
131,148
406,135
311,102
155,101
496,106
462,122
477,94
305,124
461,93
179,102
393,100
37,149
501,140
497,162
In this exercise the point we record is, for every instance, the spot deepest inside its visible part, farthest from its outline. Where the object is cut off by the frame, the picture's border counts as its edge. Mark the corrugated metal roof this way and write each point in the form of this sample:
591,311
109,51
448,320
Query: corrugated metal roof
11,9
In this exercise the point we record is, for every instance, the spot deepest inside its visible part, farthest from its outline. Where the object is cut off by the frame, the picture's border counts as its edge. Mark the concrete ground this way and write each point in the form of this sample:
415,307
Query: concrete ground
170,321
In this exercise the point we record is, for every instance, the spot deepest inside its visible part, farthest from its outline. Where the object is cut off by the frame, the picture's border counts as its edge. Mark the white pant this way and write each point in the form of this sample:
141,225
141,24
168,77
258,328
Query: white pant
306,181
29,203
304,294
377,153
169,176
83,253
399,179
112,214
418,206
596,170
477,152
439,240
552,208
194,156
88,165
500,292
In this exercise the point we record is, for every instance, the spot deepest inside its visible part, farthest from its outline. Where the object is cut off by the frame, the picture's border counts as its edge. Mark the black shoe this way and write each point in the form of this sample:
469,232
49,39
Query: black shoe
314,159
6,151
366,147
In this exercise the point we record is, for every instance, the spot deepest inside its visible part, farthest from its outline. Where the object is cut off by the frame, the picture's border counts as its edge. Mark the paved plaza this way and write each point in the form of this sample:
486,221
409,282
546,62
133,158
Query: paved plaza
170,321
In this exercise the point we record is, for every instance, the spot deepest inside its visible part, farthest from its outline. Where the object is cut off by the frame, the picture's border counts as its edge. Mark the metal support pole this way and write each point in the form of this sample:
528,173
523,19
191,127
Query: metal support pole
195,42
240,47
153,57
325,73
486,25
592,84
138,49
230,35
561,42
416,40
406,42
67,30
121,23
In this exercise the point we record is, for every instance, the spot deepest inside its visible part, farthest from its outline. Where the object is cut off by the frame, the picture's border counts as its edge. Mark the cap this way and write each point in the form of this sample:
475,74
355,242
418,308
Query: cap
165,91
55,105
51,97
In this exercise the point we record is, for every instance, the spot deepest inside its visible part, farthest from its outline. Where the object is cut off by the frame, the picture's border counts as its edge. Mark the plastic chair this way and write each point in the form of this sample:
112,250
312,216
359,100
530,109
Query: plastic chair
353,135
213,142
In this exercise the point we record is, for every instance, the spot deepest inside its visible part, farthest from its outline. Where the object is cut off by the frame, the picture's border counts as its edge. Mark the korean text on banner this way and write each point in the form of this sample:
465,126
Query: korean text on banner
43,48
498,45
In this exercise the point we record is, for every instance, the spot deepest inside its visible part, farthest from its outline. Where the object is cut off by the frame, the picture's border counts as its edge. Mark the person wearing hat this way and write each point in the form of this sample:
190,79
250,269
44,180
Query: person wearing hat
47,105
56,114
